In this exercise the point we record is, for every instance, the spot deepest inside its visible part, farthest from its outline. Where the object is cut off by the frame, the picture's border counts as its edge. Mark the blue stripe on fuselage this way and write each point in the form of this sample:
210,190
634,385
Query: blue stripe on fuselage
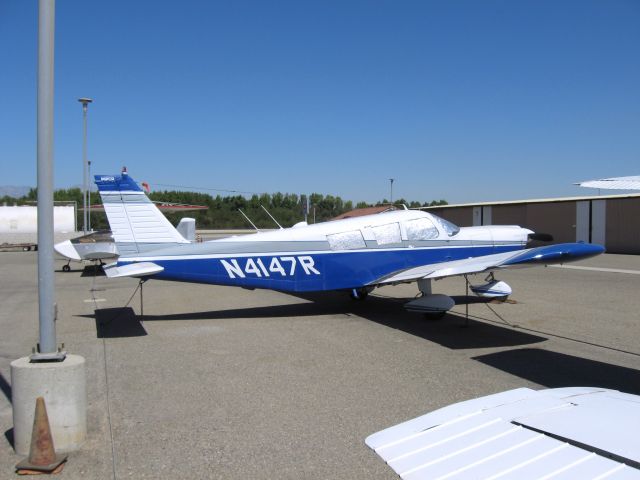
343,270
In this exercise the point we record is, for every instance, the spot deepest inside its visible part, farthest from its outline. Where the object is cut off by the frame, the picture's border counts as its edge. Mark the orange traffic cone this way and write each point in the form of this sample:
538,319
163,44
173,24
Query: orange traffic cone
42,454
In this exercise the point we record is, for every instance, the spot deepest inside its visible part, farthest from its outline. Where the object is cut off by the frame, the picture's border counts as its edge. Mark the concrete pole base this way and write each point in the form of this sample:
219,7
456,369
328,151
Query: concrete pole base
63,386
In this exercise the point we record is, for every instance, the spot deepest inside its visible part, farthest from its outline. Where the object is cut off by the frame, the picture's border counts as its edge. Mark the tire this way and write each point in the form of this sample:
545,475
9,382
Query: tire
360,294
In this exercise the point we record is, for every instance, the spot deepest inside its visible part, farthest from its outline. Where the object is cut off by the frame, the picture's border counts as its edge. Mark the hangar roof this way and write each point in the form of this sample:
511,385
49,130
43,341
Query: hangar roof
537,200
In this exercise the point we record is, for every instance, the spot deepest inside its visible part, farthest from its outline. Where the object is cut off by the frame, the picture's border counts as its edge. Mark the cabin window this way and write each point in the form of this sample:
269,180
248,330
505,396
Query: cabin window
346,240
420,229
387,234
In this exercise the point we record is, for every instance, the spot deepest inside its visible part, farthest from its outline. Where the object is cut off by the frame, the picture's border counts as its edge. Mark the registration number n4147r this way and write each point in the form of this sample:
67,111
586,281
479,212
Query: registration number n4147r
269,266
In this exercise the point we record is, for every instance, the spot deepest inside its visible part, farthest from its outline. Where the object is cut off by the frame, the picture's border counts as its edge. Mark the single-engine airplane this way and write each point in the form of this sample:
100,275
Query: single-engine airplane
99,246
95,246
354,254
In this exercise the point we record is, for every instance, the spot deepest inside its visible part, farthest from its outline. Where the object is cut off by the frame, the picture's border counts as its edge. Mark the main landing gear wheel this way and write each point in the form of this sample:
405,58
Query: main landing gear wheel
359,294
66,268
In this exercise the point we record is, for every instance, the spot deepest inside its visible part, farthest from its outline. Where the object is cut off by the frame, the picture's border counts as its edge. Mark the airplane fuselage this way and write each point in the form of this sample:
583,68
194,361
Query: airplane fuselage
342,254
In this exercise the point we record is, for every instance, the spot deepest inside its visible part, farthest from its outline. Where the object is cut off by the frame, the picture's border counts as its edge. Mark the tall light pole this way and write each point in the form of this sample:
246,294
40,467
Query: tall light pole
89,195
49,373
391,188
47,348
85,165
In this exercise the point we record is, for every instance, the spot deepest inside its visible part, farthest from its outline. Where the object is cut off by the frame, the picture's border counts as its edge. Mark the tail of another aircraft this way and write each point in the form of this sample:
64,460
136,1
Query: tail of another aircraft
136,223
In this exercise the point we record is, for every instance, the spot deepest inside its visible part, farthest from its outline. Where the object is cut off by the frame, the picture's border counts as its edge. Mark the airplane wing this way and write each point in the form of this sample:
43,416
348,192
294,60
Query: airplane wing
547,255
141,269
615,183
574,432
101,254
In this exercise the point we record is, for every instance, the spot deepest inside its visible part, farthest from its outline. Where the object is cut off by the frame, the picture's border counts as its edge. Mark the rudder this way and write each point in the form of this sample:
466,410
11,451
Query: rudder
136,222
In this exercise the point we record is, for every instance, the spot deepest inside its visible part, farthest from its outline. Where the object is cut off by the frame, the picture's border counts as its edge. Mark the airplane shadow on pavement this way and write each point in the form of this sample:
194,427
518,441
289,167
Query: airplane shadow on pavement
451,331
118,323
553,369
544,367
448,331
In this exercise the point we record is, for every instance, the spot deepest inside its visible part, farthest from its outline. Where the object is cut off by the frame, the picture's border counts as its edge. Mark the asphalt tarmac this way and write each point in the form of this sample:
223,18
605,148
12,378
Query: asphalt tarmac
217,382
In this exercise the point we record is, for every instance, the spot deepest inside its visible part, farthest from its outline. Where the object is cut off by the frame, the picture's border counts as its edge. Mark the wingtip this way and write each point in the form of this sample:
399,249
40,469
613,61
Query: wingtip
67,250
591,249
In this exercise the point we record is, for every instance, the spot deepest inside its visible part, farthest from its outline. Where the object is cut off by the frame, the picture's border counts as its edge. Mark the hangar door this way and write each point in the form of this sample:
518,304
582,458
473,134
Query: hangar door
482,215
591,221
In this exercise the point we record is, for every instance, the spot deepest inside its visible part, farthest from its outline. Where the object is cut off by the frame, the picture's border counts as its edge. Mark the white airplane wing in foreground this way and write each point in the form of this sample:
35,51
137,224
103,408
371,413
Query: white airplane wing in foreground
563,433
547,255
615,183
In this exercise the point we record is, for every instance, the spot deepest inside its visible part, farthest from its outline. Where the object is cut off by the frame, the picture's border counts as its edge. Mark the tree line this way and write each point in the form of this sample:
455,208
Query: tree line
223,211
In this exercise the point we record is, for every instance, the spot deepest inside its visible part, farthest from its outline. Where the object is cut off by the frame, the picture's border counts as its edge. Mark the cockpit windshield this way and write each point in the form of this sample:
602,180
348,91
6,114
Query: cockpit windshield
450,228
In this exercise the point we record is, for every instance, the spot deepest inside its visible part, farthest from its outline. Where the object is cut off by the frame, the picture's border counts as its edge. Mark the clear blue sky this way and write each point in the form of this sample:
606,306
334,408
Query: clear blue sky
462,100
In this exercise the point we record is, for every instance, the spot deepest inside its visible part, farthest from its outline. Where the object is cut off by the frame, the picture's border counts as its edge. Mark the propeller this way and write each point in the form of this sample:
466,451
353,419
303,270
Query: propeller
541,237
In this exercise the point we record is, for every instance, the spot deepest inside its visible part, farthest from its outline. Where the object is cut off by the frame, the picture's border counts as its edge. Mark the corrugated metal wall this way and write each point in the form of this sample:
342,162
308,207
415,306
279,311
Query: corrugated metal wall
461,216
557,218
623,225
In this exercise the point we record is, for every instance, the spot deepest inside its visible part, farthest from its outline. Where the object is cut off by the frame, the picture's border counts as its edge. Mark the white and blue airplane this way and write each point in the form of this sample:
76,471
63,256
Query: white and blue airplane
354,254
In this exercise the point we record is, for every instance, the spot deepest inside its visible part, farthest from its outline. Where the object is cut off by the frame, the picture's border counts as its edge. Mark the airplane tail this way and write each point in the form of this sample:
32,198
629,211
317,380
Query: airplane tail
137,225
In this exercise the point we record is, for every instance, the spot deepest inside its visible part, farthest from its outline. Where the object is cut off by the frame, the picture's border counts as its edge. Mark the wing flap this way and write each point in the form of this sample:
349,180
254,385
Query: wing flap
519,434
141,269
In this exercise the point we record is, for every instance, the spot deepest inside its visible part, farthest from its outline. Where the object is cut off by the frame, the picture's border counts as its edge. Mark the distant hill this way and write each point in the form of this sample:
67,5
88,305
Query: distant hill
13,191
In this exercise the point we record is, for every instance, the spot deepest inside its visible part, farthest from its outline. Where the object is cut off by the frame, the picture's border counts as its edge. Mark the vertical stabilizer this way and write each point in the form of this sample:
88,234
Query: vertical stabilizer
136,223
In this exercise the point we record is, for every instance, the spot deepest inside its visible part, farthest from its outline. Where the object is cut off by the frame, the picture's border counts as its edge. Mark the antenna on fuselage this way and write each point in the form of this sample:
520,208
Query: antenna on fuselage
248,220
271,216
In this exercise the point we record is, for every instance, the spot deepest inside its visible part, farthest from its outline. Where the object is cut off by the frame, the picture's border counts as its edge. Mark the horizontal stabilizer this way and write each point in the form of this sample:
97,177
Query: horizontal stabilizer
142,269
